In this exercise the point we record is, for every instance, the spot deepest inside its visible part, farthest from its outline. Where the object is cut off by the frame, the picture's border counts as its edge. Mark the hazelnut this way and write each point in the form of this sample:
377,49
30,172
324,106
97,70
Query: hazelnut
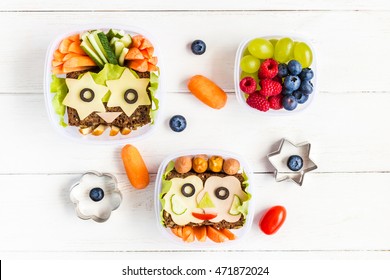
215,163
199,163
183,164
231,166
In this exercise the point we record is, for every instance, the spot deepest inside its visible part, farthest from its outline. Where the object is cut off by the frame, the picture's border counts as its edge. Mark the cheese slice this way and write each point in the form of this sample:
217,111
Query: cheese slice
109,117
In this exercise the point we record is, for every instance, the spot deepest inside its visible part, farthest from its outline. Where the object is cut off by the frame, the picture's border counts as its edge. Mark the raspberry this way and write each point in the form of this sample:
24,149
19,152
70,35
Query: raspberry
268,69
277,79
248,85
258,102
270,87
275,102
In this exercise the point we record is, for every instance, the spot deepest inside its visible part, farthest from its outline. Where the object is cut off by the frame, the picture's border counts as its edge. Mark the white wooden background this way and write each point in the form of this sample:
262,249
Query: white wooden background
343,209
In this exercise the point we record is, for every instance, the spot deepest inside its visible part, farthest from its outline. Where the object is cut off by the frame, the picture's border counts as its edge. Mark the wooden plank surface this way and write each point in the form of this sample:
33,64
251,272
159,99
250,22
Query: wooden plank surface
357,44
177,5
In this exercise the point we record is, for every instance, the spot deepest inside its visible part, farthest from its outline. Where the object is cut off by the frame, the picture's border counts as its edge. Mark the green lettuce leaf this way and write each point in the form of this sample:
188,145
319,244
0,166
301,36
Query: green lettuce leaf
165,187
109,72
243,208
59,88
152,89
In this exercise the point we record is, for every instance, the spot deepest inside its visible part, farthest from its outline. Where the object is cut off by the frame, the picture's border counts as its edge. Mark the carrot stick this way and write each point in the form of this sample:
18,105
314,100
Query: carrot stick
200,233
228,233
135,167
79,61
207,92
64,46
74,47
216,235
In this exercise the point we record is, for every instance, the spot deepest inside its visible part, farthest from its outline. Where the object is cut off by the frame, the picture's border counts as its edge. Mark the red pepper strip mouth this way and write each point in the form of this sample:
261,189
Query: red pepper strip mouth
204,216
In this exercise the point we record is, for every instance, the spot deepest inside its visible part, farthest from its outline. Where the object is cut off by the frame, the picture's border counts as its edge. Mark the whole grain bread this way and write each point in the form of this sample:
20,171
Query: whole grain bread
139,118
167,219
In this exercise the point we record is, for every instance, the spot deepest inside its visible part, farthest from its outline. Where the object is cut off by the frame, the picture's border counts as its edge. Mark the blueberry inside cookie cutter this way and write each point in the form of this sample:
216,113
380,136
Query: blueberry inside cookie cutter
95,196
279,159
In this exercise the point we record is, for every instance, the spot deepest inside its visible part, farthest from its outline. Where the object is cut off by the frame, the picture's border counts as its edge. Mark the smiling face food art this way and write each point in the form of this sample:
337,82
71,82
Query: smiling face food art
203,202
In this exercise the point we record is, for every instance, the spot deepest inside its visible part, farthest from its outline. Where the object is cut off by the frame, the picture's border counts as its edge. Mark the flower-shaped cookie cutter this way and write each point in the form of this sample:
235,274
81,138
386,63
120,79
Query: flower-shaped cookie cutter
95,196
280,157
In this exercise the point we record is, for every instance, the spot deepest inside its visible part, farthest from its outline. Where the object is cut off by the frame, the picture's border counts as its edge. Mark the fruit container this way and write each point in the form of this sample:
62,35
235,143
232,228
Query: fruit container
202,208
103,85
285,57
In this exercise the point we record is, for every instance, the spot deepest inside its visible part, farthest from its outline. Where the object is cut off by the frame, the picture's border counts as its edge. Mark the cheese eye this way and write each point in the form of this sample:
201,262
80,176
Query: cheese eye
188,190
221,193
131,96
87,94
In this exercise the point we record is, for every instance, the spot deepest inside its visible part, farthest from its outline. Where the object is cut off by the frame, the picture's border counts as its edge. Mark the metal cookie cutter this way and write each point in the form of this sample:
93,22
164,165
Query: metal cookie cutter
95,196
280,158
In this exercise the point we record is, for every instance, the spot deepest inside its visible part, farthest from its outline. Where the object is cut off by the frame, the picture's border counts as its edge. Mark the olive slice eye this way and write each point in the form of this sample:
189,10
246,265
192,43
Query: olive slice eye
87,94
131,96
188,190
221,193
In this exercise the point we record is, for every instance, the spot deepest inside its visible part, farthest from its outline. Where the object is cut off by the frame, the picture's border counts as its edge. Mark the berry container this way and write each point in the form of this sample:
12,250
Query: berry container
239,233
72,132
241,96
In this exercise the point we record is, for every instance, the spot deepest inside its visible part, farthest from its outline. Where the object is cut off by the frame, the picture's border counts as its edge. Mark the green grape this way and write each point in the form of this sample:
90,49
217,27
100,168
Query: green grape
303,54
284,50
253,75
250,64
273,42
261,48
245,52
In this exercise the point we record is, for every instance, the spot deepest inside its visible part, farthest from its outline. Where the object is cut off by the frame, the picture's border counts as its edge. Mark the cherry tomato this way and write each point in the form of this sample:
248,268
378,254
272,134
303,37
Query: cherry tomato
273,219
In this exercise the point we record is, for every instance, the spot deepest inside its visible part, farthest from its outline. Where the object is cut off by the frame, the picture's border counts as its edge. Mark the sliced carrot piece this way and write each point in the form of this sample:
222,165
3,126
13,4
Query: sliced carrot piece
79,61
188,234
57,70
152,67
145,44
228,234
74,69
145,54
153,60
136,41
74,47
150,51
134,53
69,56
178,231
74,38
140,65
58,55
216,235
56,63
200,233
64,46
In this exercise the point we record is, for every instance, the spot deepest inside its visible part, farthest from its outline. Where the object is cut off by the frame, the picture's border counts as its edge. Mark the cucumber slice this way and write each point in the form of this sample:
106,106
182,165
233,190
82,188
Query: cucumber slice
111,34
88,49
176,205
96,47
110,55
236,203
126,40
118,47
122,56
113,40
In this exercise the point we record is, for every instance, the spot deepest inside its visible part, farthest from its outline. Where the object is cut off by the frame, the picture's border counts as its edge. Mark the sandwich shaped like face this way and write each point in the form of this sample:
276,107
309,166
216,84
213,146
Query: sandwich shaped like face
189,201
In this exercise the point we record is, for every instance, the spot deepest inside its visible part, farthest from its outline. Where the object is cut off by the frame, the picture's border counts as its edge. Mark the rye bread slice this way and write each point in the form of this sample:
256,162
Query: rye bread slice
140,117
167,219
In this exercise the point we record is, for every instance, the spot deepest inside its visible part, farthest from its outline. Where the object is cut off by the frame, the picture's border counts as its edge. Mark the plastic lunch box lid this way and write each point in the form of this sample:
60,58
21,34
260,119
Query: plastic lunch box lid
72,132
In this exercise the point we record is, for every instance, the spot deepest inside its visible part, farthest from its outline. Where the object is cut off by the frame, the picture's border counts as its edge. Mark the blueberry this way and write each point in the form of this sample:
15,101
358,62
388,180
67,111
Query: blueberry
286,92
289,102
306,87
178,123
292,83
294,67
96,194
282,70
300,96
198,47
307,74
295,163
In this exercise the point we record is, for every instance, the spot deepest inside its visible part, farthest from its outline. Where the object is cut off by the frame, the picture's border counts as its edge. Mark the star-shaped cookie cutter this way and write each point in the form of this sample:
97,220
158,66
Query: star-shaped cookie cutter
279,159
